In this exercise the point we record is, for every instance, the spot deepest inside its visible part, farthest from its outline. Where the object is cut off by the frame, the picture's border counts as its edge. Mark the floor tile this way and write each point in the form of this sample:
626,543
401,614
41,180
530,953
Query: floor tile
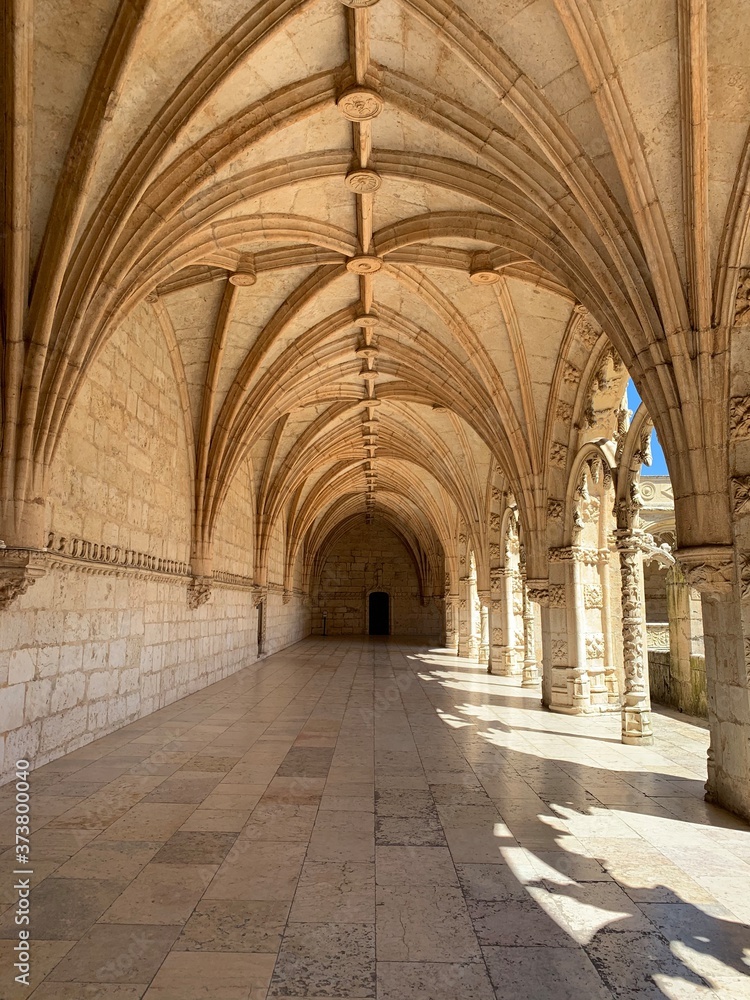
315,959
234,925
117,953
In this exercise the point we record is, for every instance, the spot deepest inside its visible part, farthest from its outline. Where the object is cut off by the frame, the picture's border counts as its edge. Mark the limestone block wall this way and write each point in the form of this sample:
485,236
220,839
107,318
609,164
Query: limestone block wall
95,644
371,557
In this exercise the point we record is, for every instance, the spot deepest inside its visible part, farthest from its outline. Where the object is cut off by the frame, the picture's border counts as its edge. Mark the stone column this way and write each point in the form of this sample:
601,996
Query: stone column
711,571
508,667
687,663
462,647
610,670
579,676
451,623
485,612
636,703
530,669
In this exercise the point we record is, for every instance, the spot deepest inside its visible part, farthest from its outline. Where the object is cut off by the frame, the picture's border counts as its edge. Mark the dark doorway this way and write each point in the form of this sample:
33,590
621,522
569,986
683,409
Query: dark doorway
380,614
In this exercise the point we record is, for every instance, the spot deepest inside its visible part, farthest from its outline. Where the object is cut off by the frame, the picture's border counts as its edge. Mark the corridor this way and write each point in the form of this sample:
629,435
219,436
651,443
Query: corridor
368,818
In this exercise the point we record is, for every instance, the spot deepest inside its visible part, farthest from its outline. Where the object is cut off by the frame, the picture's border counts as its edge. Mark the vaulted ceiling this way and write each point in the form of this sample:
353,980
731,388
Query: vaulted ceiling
382,236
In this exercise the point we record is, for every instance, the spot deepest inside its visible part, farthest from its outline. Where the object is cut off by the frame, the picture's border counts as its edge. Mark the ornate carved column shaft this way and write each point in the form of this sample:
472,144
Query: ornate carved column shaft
485,612
581,694
530,668
636,704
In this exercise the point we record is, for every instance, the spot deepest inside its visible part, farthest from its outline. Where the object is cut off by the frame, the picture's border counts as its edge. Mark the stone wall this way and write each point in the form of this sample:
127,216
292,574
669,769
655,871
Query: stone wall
371,557
92,645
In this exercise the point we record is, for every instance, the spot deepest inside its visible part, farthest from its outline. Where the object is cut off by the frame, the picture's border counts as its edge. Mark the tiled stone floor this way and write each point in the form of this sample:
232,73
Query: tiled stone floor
371,818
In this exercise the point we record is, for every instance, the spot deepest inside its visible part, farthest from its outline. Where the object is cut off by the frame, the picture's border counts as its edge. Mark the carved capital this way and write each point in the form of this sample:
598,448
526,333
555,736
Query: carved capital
538,591
19,570
199,591
709,569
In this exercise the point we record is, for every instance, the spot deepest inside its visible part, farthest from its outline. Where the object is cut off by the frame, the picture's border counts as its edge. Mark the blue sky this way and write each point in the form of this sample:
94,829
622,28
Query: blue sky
659,466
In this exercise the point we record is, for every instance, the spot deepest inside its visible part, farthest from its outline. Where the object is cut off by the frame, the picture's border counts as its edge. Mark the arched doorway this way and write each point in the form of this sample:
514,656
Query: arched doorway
379,616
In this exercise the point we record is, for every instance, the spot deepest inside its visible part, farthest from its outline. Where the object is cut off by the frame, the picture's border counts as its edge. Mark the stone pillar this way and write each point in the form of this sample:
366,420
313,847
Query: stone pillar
710,570
636,703
508,665
462,647
485,612
610,670
530,669
451,622
687,661
579,684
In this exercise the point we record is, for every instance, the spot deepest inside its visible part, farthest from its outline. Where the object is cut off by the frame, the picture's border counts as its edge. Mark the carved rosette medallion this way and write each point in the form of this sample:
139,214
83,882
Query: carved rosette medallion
364,264
360,104
363,181
359,3
484,276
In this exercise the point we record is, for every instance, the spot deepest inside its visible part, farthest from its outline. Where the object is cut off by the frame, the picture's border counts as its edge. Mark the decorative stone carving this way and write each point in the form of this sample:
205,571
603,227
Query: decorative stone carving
538,591
555,509
199,591
364,264
497,636
363,181
588,334
558,454
577,553
564,411
741,495
497,494
657,636
709,569
496,550
19,570
559,651
745,578
557,596
359,3
739,417
571,374
592,595
636,712
496,522
594,646
742,303
360,104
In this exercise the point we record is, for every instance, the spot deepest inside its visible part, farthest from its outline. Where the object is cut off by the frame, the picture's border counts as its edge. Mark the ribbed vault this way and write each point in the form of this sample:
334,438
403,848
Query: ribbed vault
385,241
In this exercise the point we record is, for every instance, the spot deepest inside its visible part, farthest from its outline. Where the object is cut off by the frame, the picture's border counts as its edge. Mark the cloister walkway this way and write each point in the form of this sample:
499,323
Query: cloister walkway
359,818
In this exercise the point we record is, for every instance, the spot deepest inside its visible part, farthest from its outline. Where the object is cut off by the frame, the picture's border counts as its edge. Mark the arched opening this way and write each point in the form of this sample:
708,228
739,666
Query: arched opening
379,613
